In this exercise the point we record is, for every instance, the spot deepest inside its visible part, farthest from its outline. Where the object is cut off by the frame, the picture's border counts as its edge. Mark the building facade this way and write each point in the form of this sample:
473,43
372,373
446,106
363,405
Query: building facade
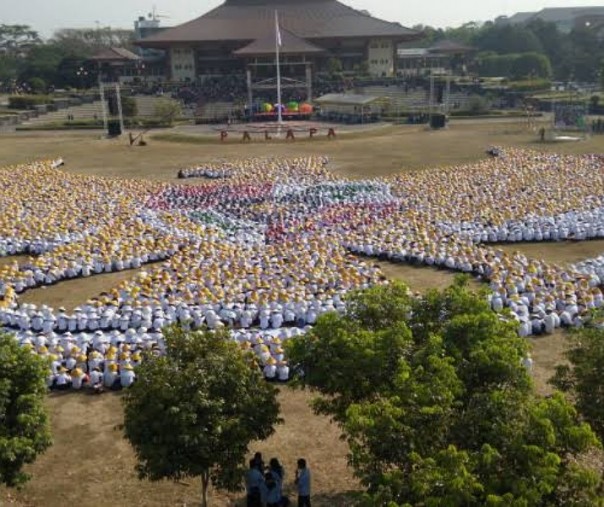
239,37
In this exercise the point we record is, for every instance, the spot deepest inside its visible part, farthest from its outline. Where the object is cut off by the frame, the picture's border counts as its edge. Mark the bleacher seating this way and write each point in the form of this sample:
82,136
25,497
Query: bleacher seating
401,99
88,111
146,105
146,108
214,112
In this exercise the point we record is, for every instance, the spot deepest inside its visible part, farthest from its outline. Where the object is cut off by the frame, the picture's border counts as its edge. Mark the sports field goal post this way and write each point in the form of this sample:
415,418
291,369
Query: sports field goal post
111,103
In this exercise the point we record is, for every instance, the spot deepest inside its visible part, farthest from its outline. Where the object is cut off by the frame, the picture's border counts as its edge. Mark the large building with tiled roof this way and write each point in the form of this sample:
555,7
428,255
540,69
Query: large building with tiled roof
238,37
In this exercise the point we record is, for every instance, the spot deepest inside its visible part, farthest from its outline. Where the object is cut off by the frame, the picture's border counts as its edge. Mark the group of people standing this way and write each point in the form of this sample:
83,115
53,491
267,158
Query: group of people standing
264,484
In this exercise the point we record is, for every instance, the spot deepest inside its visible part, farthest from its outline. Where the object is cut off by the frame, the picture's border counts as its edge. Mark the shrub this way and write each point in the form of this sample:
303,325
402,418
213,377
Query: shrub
477,105
37,85
530,85
28,101
167,110
129,107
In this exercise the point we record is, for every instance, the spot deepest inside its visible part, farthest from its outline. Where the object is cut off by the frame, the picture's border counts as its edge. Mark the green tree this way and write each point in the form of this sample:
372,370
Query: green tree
507,38
24,425
493,65
334,66
594,101
436,407
478,105
129,106
531,65
194,412
42,62
583,376
37,85
87,41
465,33
430,35
515,66
8,69
16,40
555,44
167,110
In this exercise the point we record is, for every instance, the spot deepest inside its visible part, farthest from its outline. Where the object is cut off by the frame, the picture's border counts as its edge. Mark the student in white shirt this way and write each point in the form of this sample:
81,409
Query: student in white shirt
63,381
78,377
127,375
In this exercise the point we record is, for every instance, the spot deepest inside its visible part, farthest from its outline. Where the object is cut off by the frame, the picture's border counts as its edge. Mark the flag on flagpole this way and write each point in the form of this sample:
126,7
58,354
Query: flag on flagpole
277,30
278,43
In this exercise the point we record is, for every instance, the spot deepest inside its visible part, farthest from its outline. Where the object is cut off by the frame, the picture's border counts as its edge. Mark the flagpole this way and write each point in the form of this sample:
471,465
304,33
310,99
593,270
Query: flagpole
277,47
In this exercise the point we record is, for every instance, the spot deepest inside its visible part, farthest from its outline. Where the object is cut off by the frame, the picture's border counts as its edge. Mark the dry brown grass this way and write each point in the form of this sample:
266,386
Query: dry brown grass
562,252
90,463
421,279
548,352
381,152
71,293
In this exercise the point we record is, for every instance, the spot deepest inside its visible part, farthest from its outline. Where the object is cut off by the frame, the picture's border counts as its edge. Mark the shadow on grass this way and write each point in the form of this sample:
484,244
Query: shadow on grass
343,499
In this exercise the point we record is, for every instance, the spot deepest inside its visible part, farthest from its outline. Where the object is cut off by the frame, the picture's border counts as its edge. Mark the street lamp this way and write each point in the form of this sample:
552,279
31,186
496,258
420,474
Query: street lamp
82,74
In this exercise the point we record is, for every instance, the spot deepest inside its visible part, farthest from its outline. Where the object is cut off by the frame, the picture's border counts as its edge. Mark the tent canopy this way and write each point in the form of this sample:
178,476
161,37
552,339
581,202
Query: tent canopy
347,99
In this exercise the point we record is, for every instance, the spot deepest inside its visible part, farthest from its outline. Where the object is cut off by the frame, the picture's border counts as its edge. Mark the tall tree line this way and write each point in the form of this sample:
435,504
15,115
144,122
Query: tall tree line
58,61
575,56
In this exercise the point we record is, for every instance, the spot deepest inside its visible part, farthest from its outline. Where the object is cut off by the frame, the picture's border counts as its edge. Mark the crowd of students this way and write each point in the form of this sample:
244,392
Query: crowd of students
265,246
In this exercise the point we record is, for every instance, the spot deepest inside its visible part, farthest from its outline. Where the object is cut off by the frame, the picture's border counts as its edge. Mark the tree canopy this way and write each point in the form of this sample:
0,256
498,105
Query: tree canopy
15,39
577,55
436,407
57,61
583,376
24,424
86,42
194,412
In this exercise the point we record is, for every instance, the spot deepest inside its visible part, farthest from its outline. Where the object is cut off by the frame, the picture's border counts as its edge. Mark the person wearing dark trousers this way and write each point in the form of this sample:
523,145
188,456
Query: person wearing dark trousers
272,494
303,483
254,484
277,474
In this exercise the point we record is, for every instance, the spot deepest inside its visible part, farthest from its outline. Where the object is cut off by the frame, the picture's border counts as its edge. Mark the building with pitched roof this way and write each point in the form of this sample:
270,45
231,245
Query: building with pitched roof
239,38
116,64
443,57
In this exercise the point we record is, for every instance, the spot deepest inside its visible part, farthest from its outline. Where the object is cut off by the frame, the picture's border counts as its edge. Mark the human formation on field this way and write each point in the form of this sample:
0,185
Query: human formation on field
265,246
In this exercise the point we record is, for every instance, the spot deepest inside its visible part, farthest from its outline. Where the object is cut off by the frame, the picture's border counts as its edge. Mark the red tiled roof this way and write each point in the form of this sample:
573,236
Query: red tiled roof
248,20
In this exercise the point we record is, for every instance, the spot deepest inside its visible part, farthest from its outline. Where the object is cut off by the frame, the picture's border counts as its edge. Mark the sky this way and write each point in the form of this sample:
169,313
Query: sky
46,16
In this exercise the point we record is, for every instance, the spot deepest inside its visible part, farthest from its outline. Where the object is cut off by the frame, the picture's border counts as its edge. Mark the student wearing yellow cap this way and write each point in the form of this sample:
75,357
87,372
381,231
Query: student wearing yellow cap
127,375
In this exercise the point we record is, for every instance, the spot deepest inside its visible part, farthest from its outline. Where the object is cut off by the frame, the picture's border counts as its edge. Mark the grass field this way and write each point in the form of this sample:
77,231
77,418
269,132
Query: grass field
90,463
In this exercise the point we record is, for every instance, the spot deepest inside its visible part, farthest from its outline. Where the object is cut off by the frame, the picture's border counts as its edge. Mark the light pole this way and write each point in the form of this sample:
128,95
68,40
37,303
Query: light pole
82,74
